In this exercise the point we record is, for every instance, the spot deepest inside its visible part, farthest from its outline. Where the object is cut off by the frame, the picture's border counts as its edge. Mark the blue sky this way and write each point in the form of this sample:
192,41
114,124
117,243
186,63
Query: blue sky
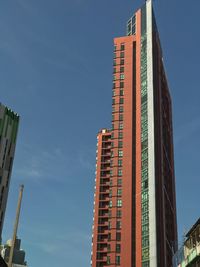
56,72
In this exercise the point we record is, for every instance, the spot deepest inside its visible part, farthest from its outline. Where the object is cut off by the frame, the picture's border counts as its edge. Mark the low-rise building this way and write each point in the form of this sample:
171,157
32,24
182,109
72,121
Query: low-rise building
189,254
18,255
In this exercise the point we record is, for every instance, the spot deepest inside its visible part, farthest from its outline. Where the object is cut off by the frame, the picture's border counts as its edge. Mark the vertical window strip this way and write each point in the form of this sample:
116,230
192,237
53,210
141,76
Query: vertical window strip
144,145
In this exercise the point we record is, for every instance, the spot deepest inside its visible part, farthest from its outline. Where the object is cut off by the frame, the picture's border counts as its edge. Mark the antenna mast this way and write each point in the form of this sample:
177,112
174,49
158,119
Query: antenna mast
15,226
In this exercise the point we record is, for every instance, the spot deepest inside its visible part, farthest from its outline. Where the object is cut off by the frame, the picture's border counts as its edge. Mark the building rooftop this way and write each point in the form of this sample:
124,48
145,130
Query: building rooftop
193,228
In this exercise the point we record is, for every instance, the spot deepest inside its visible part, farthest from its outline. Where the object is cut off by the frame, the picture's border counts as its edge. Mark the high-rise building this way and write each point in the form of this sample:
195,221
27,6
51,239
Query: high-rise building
9,122
134,204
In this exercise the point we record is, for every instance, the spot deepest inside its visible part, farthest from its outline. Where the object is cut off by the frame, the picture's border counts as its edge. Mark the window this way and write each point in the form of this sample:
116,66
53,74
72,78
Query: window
118,236
145,185
108,247
121,69
144,125
144,135
145,254
119,213
114,70
119,181
144,196
119,203
118,248
144,154
121,101
145,241
144,207
113,93
144,107
113,126
120,153
118,260
133,29
121,54
112,135
121,117
114,77
119,172
122,47
145,164
109,225
121,76
118,225
115,55
115,47
110,193
144,99
129,27
120,144
121,61
113,117
119,191
121,109
145,144
121,125
113,109
144,117
110,203
114,85
145,218
133,20
109,214
109,236
111,172
121,84
121,92
120,162
113,101
120,135
114,62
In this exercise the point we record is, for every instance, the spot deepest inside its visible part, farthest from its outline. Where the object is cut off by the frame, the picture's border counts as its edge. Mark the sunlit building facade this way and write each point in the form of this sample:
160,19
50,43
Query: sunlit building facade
134,204
188,254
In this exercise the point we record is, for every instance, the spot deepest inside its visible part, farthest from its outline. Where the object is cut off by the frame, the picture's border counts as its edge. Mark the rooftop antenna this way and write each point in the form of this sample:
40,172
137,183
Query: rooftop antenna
15,226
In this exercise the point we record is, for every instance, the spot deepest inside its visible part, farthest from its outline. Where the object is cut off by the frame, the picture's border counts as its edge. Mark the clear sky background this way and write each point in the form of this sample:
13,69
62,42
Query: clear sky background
56,72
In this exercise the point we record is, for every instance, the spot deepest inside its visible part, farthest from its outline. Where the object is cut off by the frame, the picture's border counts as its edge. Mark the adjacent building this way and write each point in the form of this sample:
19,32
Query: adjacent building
134,203
18,255
9,122
2,262
189,254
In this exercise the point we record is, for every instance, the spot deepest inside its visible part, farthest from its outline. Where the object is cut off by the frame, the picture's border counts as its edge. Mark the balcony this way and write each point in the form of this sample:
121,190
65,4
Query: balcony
103,205
103,213
101,256
102,247
103,237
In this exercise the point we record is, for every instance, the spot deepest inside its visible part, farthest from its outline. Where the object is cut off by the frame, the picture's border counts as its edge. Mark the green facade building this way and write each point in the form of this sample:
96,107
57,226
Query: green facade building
9,122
